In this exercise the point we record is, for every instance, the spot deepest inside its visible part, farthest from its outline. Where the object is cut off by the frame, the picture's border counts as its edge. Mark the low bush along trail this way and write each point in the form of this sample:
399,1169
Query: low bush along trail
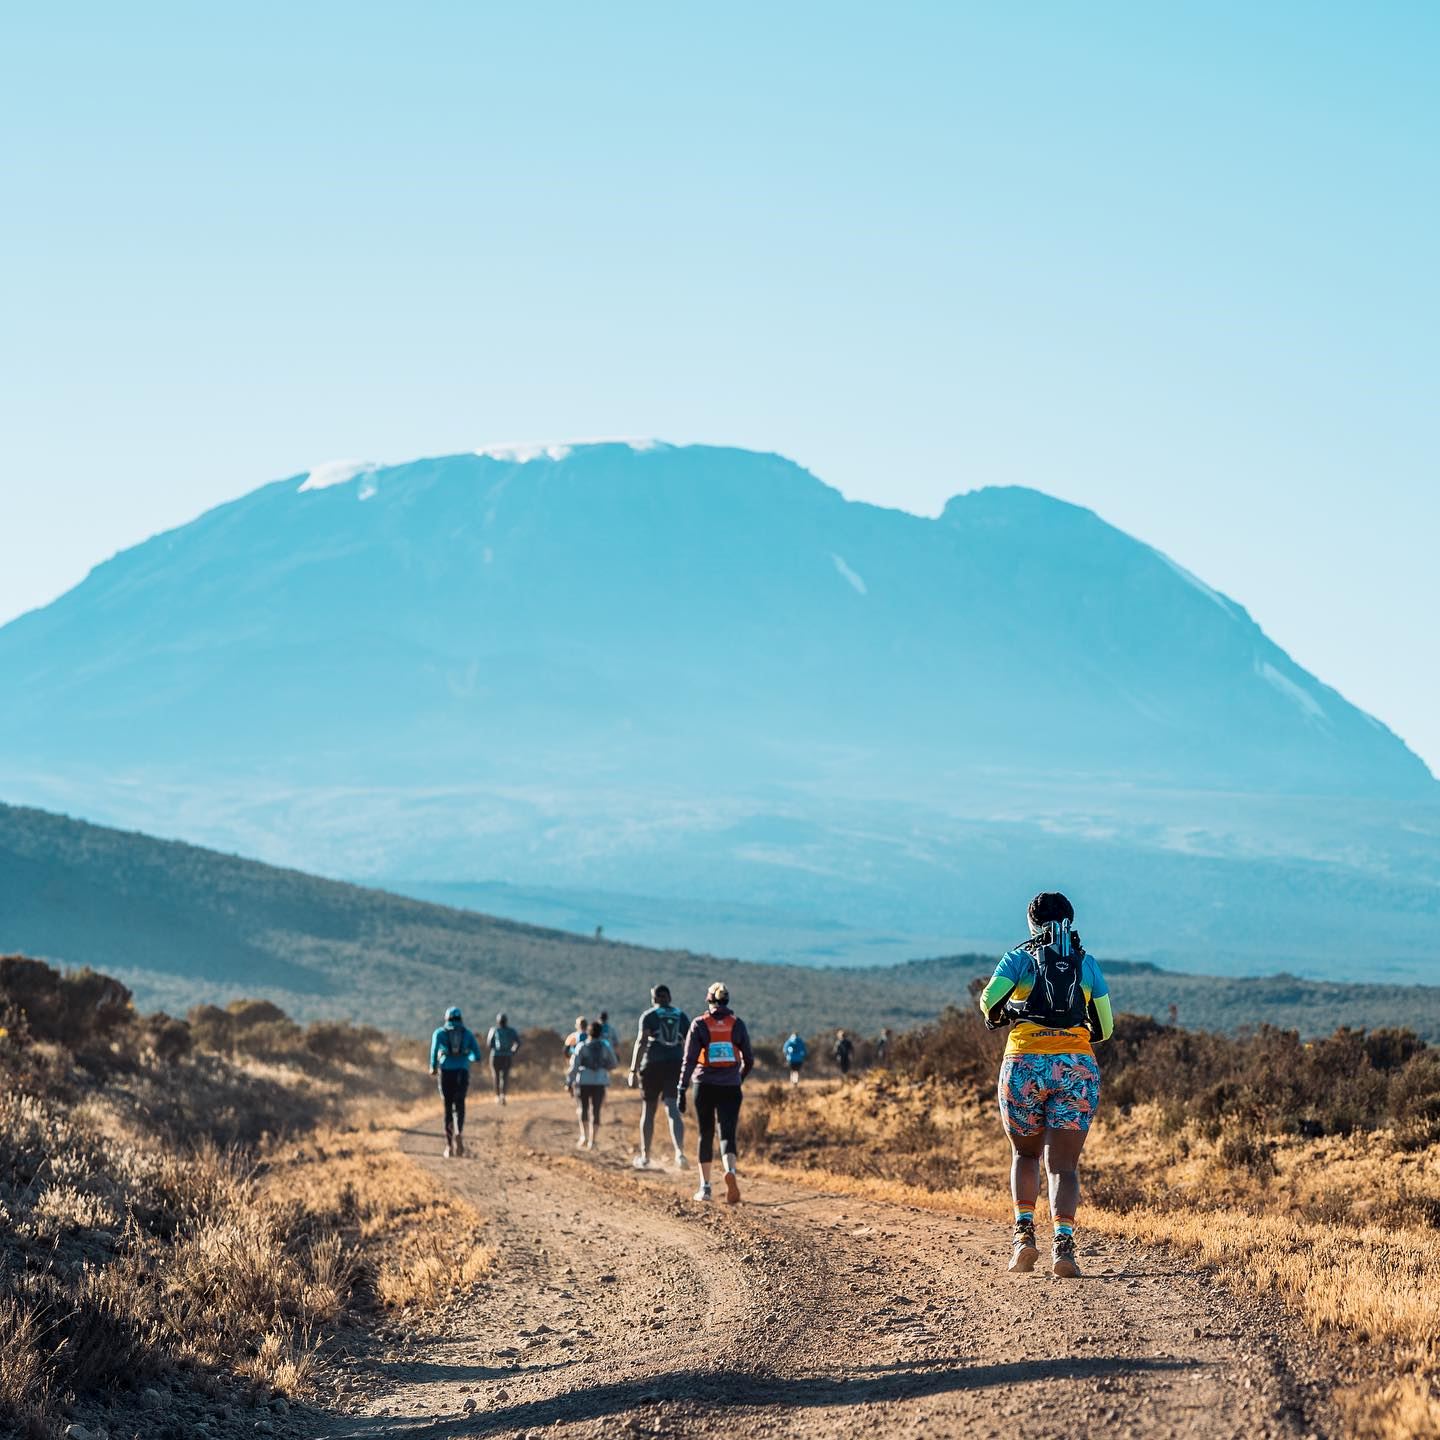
188,1215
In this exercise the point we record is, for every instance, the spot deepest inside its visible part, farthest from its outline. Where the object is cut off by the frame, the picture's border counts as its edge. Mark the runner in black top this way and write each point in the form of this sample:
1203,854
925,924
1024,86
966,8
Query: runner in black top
655,1065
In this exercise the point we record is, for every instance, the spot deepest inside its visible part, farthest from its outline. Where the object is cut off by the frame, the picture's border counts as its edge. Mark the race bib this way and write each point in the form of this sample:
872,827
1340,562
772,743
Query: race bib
721,1052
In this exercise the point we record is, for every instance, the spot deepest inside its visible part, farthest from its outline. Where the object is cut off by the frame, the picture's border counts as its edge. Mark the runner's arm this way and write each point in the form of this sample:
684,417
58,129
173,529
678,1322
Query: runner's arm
435,1051
639,1043
695,1041
742,1044
1001,986
1103,1025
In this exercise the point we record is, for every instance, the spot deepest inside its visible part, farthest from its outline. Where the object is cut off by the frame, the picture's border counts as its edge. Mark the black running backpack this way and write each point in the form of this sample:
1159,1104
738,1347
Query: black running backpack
1057,999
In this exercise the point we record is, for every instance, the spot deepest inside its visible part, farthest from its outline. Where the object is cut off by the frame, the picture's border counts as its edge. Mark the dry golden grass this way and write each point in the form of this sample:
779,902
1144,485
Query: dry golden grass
422,1244
1340,1229
136,1247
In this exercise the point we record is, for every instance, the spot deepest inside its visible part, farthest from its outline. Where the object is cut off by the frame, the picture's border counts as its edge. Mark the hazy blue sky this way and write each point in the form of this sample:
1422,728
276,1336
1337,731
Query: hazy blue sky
1176,262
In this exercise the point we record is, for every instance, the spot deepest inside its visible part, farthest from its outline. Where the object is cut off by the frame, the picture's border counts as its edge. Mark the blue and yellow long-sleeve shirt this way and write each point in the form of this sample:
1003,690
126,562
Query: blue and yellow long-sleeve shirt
1013,980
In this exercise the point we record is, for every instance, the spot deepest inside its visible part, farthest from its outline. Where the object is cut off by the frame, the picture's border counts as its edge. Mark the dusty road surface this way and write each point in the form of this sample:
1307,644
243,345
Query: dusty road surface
620,1307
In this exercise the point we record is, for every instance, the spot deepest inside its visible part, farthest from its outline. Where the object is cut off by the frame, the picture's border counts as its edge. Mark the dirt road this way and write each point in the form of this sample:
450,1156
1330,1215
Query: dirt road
621,1307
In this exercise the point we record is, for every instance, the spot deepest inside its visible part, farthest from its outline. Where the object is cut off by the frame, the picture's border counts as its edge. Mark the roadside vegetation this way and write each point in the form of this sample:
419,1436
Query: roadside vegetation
194,1213
1310,1169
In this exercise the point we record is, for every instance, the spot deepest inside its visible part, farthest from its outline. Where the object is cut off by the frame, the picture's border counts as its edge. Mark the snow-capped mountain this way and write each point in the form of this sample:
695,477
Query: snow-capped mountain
682,670
581,604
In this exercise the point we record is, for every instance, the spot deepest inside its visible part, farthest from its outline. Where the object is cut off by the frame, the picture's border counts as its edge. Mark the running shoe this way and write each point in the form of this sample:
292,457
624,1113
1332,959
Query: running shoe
732,1188
641,1162
449,1149
580,1143
681,1163
1024,1251
703,1193
459,1145
1063,1262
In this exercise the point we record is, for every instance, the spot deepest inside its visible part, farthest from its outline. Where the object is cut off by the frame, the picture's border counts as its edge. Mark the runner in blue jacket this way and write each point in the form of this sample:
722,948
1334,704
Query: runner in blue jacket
453,1049
796,1052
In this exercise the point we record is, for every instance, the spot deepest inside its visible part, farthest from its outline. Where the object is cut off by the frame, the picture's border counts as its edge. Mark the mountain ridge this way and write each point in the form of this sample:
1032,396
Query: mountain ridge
700,673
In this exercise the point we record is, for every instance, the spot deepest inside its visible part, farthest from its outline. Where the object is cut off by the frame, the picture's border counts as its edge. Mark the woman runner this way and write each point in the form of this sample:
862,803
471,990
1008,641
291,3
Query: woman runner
588,1077
718,1055
1056,1002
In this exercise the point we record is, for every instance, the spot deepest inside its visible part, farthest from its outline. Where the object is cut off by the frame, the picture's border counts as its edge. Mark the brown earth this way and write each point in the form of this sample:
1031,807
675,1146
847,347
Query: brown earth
619,1306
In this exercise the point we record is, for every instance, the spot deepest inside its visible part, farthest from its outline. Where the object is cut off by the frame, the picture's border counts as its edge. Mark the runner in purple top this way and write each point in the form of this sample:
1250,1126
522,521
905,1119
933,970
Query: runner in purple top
718,1056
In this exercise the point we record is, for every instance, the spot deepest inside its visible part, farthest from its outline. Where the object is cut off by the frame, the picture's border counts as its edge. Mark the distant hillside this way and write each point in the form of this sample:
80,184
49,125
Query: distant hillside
701,676
183,925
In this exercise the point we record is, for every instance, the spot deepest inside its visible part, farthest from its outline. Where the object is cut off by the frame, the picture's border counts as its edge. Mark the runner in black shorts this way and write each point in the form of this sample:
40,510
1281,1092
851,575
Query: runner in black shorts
655,1065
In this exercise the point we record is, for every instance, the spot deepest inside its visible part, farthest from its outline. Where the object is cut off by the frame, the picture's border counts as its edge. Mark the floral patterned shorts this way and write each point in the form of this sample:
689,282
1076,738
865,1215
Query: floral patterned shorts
1048,1092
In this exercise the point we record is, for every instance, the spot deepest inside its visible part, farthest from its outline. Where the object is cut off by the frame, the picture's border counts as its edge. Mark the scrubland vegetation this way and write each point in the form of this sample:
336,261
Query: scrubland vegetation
192,1211
1311,1170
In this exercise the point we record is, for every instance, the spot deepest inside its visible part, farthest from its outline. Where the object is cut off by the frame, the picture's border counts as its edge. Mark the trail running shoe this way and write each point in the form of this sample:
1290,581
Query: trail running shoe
703,1193
681,1163
732,1188
460,1145
641,1162
1063,1262
1024,1251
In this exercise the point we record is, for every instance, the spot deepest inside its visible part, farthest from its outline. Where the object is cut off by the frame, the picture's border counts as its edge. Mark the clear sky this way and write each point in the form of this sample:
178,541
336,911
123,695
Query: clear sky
1175,262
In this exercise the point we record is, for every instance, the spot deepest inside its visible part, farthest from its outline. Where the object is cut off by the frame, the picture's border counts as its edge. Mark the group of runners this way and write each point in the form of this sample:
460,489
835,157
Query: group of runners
1048,990
671,1052
453,1050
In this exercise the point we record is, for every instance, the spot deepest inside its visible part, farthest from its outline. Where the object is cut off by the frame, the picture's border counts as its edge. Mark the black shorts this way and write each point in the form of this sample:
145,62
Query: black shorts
659,1080
499,1063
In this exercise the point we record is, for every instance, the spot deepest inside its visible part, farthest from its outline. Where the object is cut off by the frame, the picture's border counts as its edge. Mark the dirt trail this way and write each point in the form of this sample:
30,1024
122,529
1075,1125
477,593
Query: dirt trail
621,1307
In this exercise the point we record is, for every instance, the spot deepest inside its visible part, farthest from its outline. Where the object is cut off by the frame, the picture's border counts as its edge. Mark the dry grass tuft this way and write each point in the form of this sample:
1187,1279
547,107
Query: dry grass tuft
422,1245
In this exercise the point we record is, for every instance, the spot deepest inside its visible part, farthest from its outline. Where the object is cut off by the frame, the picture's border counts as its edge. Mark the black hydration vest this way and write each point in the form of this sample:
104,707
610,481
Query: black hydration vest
1057,999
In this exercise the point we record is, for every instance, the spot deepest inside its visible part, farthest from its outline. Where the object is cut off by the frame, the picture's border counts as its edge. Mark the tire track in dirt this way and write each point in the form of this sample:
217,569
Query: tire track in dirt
619,1306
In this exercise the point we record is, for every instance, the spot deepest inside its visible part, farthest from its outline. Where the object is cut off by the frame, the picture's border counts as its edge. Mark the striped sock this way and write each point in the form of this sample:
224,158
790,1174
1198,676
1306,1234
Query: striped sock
1064,1225
1024,1214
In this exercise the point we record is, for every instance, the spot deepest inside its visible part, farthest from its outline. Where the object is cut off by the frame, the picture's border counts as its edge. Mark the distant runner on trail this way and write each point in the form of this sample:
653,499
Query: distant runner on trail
796,1052
586,1080
843,1050
577,1036
607,1031
655,1064
503,1043
718,1055
1057,1004
453,1049
882,1046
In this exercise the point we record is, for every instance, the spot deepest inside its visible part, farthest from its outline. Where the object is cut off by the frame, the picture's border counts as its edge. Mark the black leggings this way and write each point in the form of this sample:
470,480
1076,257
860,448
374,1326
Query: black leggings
712,1103
453,1085
591,1098
500,1065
